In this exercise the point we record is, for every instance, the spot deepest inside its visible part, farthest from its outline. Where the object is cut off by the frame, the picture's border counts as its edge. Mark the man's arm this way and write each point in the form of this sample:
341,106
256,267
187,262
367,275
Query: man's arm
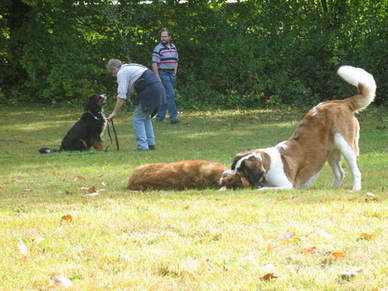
118,105
177,60
155,69
176,68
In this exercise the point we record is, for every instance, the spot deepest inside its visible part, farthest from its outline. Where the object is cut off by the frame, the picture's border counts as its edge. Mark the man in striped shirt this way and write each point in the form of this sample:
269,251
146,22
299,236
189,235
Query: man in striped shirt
165,65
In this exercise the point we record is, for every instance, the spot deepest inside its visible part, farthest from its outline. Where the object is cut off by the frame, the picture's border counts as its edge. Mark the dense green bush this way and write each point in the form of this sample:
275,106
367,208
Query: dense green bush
245,54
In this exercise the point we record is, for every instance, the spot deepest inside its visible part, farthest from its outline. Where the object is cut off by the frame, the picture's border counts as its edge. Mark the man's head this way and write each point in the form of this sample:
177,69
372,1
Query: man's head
113,66
165,36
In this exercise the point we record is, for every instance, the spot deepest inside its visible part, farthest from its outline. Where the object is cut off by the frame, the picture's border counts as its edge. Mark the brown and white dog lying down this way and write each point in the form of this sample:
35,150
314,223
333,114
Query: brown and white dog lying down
190,174
327,132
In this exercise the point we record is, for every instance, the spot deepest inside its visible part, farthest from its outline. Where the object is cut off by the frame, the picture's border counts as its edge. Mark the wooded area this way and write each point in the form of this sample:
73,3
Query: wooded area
242,54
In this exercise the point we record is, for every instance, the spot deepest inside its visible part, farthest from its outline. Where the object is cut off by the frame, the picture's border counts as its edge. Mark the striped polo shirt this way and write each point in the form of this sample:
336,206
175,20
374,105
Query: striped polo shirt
165,57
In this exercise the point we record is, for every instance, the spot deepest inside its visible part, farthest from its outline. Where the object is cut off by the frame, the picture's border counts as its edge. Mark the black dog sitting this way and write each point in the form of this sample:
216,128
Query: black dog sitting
87,131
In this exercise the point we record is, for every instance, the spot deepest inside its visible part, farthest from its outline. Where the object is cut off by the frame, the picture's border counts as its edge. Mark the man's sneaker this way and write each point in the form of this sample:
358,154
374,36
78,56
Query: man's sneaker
151,147
175,121
140,149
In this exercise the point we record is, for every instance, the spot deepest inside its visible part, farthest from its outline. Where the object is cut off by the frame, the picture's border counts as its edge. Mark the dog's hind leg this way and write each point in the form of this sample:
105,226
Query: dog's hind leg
334,160
351,157
310,181
79,145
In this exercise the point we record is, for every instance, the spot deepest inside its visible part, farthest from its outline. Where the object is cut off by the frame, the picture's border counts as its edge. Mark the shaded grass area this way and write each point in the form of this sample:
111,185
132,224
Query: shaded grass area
190,240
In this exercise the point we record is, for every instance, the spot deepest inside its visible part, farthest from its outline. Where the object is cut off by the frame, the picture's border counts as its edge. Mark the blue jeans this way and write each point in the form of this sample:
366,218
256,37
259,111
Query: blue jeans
168,80
144,131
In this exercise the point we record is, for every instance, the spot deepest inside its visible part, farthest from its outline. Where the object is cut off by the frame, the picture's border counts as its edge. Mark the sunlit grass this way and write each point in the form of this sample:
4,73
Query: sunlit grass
190,240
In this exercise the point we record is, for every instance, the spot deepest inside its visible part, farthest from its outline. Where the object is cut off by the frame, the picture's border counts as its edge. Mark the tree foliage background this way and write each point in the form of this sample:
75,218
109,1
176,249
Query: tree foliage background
242,54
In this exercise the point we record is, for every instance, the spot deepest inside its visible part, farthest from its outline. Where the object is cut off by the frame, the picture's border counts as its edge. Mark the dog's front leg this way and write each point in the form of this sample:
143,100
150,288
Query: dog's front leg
99,146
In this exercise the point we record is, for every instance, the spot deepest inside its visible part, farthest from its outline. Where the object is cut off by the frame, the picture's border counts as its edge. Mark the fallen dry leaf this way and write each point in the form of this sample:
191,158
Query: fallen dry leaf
331,257
371,197
367,236
268,276
38,239
310,250
337,255
59,229
351,273
325,262
22,248
92,189
288,237
67,218
59,281
324,234
190,266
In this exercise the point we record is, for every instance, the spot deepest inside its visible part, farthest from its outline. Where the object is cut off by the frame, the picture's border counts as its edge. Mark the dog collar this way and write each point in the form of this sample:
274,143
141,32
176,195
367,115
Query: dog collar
94,116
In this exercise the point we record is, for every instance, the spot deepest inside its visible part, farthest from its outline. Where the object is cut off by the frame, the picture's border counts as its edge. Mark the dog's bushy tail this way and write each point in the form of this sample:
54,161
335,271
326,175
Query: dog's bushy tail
363,81
47,150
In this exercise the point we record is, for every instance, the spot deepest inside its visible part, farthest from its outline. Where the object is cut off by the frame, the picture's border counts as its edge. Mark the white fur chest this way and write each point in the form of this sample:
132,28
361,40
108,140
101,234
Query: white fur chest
276,177
105,123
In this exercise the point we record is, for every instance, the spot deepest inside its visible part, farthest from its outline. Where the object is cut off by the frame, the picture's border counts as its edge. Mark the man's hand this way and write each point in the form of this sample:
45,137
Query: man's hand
119,103
112,116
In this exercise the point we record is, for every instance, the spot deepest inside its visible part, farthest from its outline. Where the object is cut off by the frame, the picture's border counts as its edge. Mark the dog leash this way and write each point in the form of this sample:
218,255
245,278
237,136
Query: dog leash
115,133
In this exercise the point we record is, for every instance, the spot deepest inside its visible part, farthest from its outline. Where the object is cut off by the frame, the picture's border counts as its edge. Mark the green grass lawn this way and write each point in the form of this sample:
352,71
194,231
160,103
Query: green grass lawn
191,240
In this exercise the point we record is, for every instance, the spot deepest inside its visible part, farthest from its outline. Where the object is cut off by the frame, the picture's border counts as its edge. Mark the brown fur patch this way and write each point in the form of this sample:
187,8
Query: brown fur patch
234,181
190,174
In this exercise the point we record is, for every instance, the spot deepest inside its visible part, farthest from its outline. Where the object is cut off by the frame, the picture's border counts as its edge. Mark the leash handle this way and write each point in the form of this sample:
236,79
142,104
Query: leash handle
115,133
110,137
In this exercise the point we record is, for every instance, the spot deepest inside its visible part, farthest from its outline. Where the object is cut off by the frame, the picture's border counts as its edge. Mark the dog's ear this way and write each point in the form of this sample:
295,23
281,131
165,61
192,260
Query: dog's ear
237,158
87,104
233,166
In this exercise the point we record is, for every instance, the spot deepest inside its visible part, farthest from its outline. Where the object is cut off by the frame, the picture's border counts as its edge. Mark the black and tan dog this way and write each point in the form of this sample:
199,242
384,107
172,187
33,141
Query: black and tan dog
86,132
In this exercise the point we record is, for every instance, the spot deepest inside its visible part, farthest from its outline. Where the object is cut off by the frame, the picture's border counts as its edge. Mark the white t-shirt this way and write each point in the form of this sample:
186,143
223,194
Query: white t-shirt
126,78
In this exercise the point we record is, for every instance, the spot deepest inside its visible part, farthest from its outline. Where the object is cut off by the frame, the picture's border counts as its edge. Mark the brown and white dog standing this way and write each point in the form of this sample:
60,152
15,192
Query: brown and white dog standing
327,132
190,174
